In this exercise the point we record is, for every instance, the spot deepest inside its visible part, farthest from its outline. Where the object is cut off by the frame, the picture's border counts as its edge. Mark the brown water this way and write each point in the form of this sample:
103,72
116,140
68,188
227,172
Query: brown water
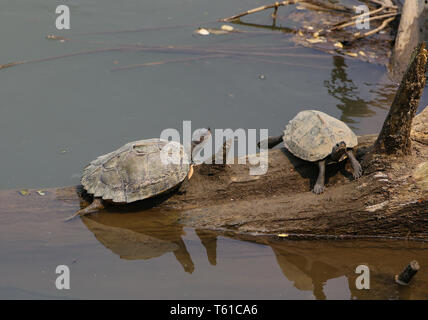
150,255
56,116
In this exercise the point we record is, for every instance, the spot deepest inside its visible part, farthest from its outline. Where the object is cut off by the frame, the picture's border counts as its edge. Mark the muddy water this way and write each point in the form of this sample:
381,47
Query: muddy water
56,116
150,255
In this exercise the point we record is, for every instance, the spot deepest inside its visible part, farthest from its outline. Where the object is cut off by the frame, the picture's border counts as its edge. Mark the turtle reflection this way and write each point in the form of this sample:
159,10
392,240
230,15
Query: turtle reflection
309,265
148,235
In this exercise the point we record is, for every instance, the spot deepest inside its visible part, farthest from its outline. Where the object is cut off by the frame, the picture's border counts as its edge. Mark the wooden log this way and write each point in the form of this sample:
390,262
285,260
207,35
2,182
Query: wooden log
408,273
390,200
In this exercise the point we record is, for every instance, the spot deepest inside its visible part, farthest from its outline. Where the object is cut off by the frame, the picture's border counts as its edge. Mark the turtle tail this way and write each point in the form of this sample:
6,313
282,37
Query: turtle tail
96,205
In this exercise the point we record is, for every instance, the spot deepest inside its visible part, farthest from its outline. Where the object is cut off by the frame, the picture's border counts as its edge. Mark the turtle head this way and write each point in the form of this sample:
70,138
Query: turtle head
338,152
199,138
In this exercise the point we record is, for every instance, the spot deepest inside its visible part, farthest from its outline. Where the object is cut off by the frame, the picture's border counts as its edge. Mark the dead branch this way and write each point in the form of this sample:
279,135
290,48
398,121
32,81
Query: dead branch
262,8
384,24
395,135
348,24
389,10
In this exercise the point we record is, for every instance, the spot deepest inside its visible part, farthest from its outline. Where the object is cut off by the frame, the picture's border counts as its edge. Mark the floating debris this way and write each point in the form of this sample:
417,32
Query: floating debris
283,235
338,45
226,27
24,192
362,53
351,54
217,31
202,31
41,192
262,77
53,37
317,40
206,32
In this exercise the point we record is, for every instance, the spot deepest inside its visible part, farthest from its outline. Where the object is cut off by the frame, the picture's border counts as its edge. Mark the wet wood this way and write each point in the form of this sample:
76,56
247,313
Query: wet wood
395,135
408,273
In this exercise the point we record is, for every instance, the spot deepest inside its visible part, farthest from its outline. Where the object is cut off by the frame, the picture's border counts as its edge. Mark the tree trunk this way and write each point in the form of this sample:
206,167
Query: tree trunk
395,135
413,29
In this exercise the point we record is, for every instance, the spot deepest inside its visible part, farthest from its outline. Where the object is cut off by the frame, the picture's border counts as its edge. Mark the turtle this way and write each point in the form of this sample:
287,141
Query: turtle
136,171
317,137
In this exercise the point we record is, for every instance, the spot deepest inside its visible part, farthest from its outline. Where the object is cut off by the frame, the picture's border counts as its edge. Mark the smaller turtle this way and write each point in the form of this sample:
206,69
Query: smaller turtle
317,137
137,171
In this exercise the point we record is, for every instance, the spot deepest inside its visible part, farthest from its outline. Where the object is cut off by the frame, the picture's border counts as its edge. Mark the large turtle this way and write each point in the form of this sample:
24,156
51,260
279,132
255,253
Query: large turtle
317,137
137,171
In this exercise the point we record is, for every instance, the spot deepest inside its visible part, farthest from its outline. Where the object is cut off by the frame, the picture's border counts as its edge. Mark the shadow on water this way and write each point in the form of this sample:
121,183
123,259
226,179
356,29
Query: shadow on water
308,265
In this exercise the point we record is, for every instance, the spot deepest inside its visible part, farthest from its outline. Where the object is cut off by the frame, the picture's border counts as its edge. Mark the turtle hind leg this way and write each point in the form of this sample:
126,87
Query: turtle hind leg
96,205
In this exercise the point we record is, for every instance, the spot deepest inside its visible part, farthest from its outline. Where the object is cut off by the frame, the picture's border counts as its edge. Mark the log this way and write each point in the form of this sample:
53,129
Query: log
390,200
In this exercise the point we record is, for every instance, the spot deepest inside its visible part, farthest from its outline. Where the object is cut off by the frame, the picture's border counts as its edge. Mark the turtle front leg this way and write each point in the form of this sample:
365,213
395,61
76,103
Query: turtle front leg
356,166
319,185
96,205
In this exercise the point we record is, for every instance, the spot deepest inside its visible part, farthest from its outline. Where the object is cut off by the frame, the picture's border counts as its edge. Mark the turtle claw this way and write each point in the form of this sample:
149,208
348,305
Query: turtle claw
358,172
318,189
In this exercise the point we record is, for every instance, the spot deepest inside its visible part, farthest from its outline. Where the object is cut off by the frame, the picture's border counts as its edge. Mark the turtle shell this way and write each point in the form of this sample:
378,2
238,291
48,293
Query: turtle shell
311,135
136,171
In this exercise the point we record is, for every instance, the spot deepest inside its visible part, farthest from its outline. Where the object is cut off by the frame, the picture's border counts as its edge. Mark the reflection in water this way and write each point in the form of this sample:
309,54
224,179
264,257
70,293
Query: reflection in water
148,235
309,265
344,90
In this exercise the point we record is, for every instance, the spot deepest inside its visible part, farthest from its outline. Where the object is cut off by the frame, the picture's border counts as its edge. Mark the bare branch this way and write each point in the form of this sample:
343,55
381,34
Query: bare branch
384,24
